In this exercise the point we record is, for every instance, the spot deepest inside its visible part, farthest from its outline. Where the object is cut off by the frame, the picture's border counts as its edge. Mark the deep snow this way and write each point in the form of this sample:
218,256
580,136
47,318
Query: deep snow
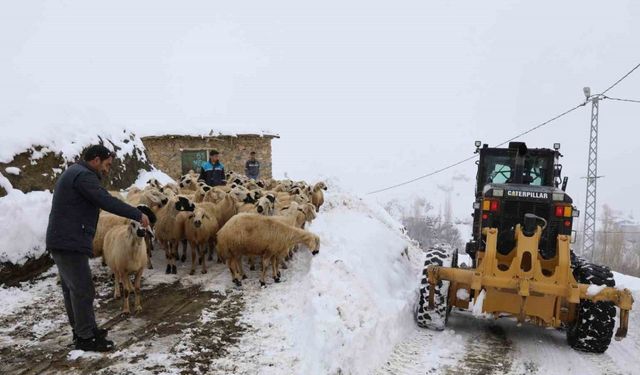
347,310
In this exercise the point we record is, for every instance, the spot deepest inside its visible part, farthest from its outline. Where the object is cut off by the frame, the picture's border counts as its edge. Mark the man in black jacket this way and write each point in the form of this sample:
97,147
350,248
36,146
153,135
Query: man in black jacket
252,167
77,200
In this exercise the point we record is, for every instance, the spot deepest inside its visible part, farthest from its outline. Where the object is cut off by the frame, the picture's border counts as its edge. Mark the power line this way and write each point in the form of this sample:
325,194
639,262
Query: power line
423,176
541,125
510,139
622,100
620,80
474,156
611,232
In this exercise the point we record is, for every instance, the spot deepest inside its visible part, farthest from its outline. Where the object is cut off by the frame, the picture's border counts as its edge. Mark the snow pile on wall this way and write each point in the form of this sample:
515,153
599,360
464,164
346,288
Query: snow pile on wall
69,130
68,141
5,183
145,176
24,219
23,222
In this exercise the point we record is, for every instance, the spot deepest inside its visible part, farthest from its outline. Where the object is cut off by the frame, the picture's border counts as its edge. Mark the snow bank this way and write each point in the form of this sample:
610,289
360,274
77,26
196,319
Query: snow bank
5,183
626,281
343,310
23,224
24,219
144,176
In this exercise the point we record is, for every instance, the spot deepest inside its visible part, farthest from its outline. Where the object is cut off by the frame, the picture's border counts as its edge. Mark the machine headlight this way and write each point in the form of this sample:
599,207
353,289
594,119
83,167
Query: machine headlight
498,192
558,197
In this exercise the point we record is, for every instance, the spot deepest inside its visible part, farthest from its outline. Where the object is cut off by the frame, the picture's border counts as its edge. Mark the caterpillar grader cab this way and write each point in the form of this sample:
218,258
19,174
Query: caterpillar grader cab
522,264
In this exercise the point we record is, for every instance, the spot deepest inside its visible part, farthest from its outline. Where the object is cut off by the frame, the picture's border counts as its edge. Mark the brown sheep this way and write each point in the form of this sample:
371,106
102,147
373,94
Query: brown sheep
106,221
258,235
317,195
200,231
125,252
170,228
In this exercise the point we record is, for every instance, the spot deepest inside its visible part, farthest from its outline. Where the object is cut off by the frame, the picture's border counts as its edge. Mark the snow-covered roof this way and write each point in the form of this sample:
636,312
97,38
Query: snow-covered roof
71,135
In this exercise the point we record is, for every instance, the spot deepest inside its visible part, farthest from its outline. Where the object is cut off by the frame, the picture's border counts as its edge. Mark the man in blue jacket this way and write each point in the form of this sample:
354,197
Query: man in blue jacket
77,200
213,170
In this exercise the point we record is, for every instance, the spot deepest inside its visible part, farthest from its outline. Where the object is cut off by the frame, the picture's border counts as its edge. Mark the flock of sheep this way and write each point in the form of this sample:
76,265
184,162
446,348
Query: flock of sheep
262,219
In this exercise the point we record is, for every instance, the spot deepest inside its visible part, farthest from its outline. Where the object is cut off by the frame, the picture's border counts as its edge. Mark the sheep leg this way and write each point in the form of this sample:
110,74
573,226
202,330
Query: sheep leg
149,242
274,269
167,253
233,270
240,268
136,290
265,264
126,286
211,248
194,248
174,255
116,286
202,256
183,258
252,266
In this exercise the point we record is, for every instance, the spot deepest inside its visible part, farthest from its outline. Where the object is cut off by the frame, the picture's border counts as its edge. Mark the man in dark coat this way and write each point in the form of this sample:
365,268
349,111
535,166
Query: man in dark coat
213,170
252,167
77,200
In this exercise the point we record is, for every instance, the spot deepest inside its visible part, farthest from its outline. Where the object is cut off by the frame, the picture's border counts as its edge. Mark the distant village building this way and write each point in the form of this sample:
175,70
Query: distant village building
177,154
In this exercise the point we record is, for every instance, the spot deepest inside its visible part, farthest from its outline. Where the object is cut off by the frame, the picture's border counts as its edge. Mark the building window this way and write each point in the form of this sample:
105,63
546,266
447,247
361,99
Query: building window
193,160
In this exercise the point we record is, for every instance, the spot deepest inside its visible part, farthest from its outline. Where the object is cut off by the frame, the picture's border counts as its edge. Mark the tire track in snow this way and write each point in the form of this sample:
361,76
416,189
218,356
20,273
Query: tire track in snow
424,352
488,350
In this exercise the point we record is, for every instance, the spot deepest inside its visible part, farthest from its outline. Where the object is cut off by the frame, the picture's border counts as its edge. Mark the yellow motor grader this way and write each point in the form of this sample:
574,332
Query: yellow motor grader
522,265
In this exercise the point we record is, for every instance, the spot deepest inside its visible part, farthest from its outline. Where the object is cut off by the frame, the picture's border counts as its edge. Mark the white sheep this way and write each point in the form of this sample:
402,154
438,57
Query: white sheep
200,231
125,252
258,235
170,228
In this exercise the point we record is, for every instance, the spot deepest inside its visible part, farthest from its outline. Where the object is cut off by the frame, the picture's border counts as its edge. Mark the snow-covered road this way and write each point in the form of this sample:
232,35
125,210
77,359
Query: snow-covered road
471,345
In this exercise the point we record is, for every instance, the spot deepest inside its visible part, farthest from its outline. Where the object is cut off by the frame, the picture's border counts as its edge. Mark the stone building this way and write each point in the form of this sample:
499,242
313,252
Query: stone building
177,154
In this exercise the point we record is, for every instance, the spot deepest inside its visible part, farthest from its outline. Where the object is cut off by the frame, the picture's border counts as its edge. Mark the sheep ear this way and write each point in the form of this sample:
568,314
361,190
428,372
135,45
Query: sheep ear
147,211
271,198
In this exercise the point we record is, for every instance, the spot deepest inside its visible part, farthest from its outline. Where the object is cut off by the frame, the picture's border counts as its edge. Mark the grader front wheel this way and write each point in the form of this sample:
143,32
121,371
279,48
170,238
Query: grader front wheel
593,328
435,318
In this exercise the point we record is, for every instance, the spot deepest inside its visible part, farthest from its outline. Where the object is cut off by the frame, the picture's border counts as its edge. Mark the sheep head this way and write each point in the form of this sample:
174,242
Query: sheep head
198,216
320,186
264,206
313,243
184,204
137,229
147,211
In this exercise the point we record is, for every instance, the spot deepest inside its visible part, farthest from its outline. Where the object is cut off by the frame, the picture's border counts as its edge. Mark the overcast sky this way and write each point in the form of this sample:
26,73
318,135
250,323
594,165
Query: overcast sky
371,93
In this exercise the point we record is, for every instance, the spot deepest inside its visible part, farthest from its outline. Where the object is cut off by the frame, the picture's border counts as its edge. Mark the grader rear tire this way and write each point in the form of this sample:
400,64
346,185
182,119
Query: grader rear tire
593,328
436,319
